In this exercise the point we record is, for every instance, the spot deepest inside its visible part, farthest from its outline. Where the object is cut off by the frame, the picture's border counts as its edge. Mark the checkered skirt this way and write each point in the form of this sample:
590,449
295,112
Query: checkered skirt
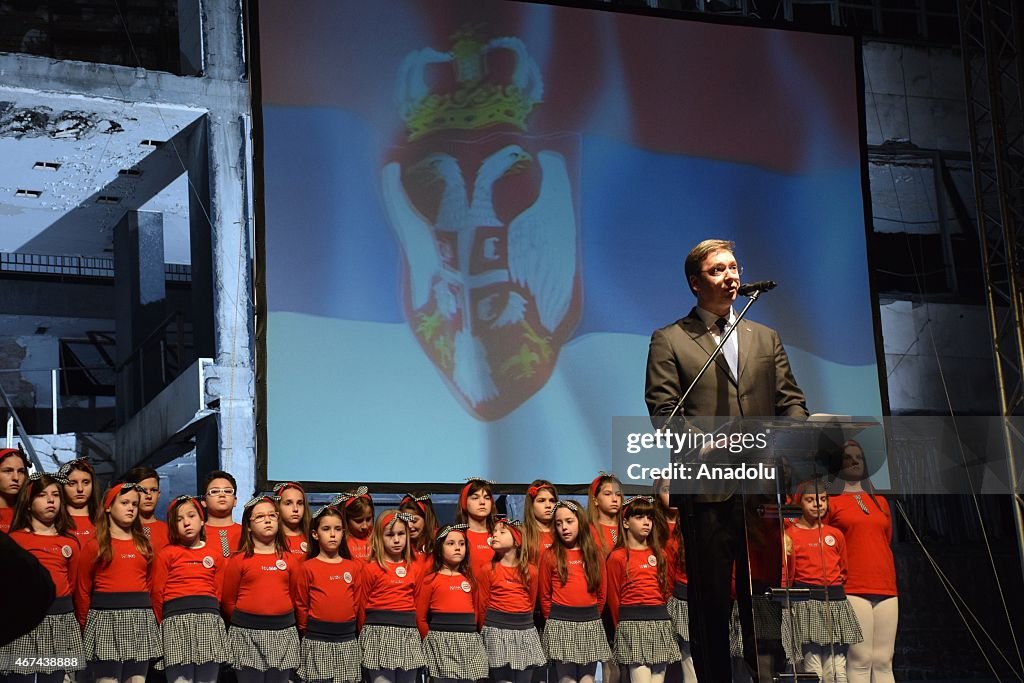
518,649
819,622
192,638
335,662
263,649
767,618
391,647
735,632
456,655
576,642
651,641
679,611
57,636
122,635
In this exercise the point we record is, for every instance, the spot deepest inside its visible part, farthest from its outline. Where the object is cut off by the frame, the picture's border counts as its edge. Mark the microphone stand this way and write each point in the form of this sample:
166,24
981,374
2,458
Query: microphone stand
711,359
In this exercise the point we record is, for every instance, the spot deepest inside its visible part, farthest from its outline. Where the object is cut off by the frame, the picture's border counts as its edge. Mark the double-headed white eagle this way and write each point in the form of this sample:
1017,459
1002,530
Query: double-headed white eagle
541,247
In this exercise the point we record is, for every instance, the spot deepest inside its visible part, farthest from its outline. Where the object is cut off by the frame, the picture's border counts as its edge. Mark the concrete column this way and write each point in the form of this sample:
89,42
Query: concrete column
232,378
140,307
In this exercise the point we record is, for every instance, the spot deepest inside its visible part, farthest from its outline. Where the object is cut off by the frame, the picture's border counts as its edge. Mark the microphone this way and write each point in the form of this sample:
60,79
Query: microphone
751,287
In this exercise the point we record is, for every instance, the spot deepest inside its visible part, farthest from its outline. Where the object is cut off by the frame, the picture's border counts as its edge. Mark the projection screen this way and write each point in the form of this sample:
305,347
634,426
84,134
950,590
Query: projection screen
475,212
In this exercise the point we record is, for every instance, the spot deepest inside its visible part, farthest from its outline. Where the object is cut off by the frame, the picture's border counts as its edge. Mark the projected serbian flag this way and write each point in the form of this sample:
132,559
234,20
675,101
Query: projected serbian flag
477,212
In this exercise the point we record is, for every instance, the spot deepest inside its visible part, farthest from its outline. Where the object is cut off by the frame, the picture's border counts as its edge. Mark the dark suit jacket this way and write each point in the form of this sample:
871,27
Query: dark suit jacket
765,387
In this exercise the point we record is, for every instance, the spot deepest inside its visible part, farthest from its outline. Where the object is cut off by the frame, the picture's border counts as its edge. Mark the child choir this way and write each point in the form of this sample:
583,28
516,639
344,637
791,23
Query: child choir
347,594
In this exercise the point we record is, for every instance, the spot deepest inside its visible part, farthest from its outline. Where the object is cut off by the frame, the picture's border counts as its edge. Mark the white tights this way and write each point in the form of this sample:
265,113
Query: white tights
610,671
193,673
642,673
870,661
507,675
576,673
118,672
689,673
828,661
393,676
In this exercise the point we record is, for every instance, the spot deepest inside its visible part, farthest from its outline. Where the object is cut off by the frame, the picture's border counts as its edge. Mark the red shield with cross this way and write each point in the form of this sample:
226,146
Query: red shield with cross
488,231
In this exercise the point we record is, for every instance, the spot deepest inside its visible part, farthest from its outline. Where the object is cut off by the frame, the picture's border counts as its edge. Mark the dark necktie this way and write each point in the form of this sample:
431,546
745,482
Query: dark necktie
731,348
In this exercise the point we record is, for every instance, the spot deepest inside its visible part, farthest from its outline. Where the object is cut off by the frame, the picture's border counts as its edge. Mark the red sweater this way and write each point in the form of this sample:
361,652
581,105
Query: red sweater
224,539
358,548
424,562
547,539
632,580
444,594
327,591
764,541
259,584
480,553
872,570
179,572
574,593
84,529
6,516
59,554
676,572
392,589
157,532
818,557
502,589
128,572
297,545
606,536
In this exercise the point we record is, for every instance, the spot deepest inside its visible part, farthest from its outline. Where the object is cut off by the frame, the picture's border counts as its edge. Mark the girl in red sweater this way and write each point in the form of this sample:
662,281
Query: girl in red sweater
603,511
357,506
148,482
508,593
257,598
538,519
81,497
603,508
42,527
326,604
13,475
186,589
476,510
818,626
422,527
638,588
666,517
295,519
446,612
572,596
390,642
678,605
112,598
866,523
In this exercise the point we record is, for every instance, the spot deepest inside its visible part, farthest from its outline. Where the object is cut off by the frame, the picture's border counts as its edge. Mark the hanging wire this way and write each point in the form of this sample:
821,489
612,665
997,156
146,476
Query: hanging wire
957,599
927,329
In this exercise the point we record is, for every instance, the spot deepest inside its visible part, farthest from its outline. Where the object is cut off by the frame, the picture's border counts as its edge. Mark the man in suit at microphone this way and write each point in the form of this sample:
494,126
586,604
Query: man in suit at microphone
751,378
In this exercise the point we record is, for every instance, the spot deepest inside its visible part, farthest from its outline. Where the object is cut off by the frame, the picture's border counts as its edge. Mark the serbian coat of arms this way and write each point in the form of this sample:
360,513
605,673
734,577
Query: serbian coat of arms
485,214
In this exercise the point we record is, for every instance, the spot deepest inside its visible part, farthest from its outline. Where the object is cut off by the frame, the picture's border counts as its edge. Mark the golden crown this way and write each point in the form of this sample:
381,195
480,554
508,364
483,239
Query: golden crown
479,101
